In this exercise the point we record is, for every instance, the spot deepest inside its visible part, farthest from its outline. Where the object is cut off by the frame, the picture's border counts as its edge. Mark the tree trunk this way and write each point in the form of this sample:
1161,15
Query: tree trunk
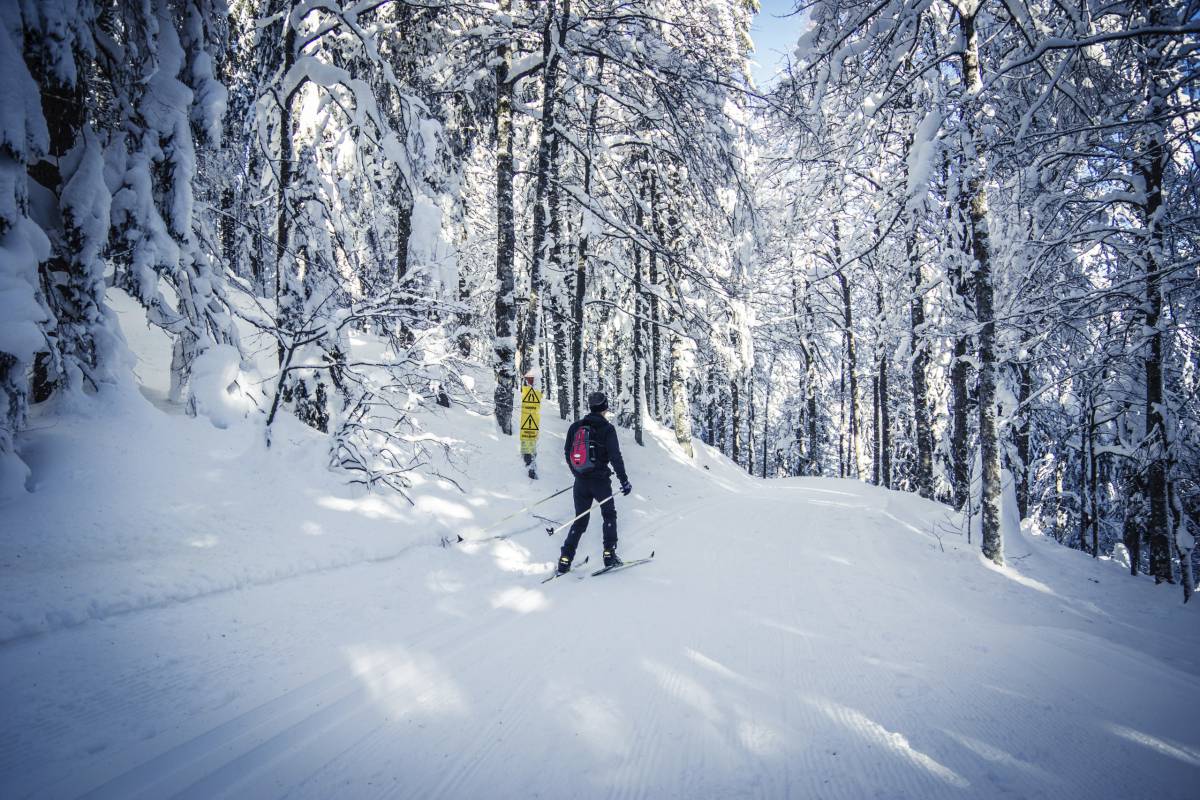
808,346
580,333
960,458
750,409
1149,167
923,428
766,420
577,341
1024,426
802,312
1186,575
1085,496
555,232
1134,529
989,444
463,339
638,355
404,210
722,425
885,427
1093,483
735,413
285,159
506,243
562,361
711,413
655,316
1060,513
851,459
530,337
854,446
679,402
875,428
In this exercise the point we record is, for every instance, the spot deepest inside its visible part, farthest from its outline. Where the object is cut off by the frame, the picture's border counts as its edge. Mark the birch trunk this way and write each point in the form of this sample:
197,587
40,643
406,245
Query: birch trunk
989,443
679,402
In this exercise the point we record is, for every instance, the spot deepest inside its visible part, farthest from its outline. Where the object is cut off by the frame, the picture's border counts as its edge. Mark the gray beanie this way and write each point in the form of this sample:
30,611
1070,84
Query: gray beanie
597,401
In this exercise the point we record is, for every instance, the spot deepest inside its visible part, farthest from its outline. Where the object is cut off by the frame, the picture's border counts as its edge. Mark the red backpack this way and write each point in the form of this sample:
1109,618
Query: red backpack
583,450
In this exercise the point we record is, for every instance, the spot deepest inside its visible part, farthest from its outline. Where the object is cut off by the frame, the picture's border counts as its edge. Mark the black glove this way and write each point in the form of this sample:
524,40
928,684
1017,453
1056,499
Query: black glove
626,487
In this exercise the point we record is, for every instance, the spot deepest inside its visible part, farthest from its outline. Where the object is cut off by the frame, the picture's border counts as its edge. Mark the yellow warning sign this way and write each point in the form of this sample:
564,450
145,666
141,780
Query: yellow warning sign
531,418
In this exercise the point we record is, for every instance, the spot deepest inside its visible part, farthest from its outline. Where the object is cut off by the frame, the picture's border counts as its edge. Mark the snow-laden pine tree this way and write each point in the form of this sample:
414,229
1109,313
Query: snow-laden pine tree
25,320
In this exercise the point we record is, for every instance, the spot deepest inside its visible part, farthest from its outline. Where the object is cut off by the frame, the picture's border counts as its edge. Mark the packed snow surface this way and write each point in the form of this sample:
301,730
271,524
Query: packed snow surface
187,614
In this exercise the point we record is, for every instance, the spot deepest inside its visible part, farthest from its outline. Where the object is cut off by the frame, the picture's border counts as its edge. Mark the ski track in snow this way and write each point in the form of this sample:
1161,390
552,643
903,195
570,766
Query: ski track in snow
778,647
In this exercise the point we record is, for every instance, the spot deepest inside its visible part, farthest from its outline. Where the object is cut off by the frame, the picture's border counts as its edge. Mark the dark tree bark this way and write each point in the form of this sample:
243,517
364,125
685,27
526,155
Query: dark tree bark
639,359
506,244
404,212
960,370
1086,509
850,459
803,312
885,427
735,413
1134,529
923,428
581,260
530,337
283,209
653,397
1093,482
989,444
875,429
1024,427
1149,166
766,421
750,414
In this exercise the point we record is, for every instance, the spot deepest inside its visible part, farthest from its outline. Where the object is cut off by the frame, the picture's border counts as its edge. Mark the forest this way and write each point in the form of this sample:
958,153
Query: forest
952,249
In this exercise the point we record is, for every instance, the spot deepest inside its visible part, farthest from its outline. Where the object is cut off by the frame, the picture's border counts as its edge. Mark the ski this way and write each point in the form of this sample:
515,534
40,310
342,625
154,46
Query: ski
626,565
557,574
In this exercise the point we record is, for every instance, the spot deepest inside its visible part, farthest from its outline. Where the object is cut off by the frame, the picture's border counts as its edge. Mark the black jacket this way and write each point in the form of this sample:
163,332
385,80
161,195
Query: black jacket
608,449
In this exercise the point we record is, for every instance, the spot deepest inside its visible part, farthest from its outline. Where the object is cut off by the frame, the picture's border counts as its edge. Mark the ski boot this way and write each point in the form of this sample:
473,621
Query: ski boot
564,565
611,559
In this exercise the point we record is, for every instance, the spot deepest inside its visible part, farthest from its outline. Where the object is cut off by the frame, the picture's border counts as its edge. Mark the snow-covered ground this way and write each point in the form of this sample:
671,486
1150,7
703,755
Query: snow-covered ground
183,613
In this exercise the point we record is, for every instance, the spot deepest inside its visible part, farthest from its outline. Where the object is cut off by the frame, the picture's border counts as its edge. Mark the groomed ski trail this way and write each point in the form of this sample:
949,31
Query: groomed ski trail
799,639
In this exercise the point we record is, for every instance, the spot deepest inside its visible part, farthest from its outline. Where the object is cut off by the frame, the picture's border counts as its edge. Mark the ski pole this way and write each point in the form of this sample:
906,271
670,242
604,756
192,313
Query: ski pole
521,511
567,524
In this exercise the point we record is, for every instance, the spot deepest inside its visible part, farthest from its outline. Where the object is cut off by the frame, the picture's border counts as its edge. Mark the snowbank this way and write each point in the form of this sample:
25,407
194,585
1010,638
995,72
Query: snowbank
217,619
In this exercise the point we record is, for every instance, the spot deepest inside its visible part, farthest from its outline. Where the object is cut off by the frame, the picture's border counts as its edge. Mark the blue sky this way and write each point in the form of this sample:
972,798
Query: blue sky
774,36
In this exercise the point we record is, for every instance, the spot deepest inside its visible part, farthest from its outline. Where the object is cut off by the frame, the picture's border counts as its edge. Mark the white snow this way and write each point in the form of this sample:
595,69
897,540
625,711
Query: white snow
22,126
920,159
22,248
216,386
188,614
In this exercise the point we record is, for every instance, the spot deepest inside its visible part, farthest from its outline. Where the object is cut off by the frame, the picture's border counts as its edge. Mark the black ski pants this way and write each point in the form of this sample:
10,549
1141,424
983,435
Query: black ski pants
588,489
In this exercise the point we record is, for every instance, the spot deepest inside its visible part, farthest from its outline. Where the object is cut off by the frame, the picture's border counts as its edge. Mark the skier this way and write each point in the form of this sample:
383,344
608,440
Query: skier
591,446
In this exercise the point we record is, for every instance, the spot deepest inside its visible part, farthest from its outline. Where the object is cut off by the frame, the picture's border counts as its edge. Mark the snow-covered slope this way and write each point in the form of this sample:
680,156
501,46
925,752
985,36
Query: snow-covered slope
186,614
